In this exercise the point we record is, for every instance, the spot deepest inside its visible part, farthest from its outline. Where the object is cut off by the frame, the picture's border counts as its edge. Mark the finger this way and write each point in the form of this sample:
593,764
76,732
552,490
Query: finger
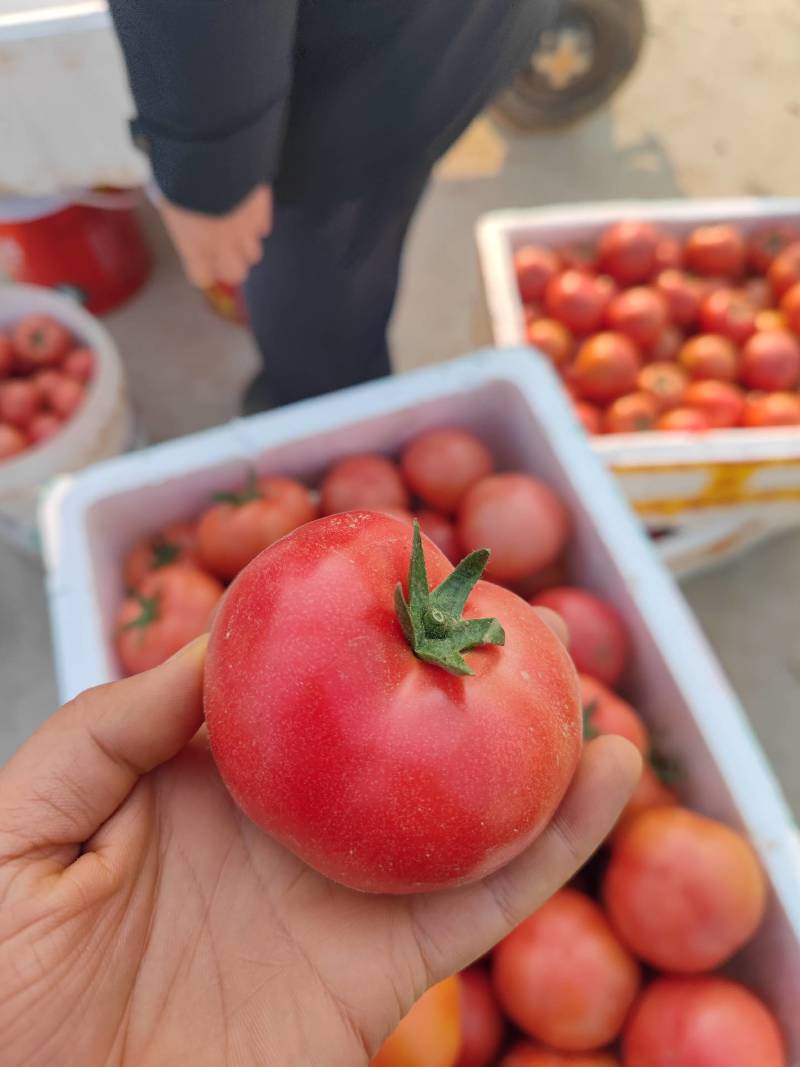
455,928
251,248
230,266
263,210
554,622
80,766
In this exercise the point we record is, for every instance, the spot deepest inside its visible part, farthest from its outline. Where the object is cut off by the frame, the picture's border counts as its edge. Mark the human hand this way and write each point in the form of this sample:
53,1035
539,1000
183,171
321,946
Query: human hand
219,248
145,921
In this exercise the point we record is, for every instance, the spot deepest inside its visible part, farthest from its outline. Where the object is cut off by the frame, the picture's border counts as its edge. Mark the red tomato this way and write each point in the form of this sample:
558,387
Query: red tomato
758,293
727,312
765,243
664,382
606,713
684,892
639,313
590,417
669,254
682,293
430,1035
632,413
441,465
552,338
531,312
598,639
606,367
519,518
368,481
524,1054
47,383
79,364
563,977
683,420
19,401
702,1022
666,346
66,396
351,750
707,355
534,267
176,543
580,255
577,300
171,607
481,1021
771,409
7,357
628,251
784,271
39,340
44,426
442,532
771,361
650,792
12,441
240,525
716,251
721,402
771,319
790,307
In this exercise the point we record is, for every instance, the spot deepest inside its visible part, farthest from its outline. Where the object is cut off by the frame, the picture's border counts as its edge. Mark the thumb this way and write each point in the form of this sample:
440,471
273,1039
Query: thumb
77,769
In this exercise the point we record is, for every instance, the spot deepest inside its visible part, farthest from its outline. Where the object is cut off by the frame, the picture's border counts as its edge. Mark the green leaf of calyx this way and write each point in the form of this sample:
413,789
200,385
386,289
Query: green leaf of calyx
431,619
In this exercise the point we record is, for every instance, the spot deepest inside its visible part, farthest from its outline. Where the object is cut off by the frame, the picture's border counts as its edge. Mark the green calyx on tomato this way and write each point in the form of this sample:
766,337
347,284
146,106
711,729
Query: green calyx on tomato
431,618
163,552
249,492
590,732
150,606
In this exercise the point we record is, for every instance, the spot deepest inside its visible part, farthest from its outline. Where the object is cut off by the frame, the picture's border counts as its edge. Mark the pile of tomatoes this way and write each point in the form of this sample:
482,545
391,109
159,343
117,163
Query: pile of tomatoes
618,968
44,372
649,332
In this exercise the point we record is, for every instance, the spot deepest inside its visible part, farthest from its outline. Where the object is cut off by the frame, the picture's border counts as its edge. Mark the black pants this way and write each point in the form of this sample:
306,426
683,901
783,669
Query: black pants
368,119
321,298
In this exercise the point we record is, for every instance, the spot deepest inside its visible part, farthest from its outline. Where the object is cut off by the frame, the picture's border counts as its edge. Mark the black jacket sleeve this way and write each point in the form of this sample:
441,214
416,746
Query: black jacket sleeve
211,80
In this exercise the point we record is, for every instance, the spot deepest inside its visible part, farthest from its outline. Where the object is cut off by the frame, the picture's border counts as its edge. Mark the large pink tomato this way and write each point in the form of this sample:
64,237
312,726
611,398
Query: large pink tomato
396,739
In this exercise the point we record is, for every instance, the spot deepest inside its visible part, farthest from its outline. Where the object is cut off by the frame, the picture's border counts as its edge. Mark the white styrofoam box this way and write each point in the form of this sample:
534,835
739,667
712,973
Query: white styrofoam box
100,428
671,479
518,408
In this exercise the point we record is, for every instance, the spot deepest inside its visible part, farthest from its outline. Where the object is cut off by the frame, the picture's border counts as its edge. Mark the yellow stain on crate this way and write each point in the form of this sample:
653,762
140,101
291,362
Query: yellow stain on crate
726,484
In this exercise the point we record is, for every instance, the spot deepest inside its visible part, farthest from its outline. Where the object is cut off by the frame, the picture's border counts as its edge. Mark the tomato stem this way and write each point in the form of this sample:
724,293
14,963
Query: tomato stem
149,612
431,618
163,552
249,492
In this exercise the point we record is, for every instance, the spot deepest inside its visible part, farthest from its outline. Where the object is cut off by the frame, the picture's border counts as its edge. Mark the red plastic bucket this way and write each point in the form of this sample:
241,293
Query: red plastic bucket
91,247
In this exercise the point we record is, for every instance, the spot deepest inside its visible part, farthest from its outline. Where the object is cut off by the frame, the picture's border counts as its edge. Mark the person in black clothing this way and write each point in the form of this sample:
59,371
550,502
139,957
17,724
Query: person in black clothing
310,126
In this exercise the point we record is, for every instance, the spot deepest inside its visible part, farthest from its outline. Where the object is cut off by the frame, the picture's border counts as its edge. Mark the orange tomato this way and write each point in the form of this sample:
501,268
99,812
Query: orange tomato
684,892
430,1035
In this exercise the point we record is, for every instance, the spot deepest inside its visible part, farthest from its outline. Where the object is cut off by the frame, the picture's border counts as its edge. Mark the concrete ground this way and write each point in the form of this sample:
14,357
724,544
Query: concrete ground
713,109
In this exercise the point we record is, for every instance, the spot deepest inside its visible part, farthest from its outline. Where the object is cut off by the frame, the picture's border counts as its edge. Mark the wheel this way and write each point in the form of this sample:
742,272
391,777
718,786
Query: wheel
575,65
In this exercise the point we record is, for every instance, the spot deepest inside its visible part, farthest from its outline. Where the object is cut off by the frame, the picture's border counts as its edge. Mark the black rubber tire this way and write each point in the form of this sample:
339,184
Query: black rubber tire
615,30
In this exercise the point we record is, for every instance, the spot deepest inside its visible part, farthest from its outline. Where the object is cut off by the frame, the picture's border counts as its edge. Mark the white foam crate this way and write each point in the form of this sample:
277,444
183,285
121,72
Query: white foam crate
518,408
726,488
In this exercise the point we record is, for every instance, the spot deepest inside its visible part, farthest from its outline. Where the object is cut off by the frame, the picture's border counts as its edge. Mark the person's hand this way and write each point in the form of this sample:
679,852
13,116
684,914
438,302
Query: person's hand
145,921
219,248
